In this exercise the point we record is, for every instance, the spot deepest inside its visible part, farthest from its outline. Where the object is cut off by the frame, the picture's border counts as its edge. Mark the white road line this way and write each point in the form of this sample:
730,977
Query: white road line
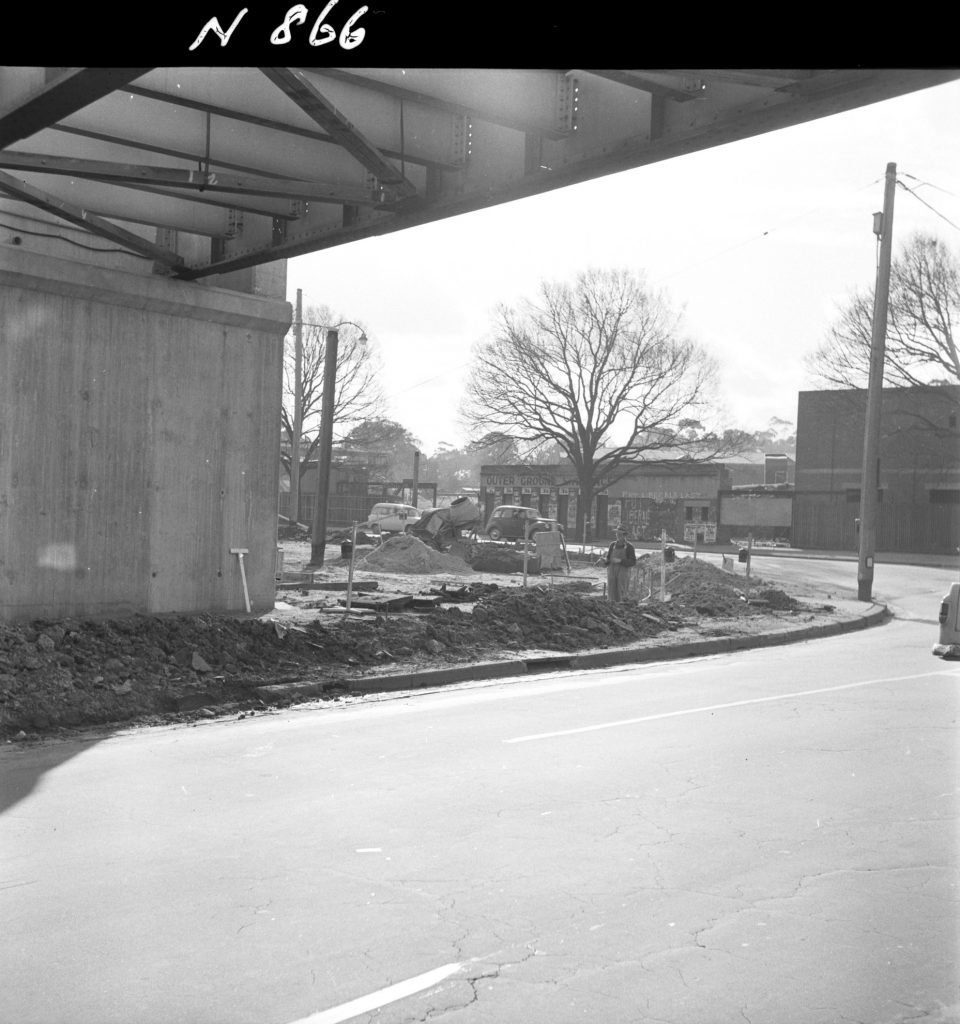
366,1004
720,707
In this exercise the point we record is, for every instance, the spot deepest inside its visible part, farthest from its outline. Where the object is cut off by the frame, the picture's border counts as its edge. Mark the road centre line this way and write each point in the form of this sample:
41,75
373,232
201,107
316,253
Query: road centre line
721,707
373,1001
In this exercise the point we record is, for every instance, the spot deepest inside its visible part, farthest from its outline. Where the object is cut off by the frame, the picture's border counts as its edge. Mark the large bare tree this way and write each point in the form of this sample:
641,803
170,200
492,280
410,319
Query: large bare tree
923,313
600,369
358,395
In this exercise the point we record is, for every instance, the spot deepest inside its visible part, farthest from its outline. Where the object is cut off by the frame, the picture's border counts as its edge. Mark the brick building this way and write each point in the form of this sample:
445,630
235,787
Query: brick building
918,472
760,469
356,484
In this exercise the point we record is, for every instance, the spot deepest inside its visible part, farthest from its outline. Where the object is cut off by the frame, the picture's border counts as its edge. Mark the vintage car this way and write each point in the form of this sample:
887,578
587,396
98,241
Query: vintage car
392,517
509,522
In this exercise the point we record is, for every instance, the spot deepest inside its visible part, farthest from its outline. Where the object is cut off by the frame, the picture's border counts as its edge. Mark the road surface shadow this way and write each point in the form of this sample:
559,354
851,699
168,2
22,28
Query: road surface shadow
23,764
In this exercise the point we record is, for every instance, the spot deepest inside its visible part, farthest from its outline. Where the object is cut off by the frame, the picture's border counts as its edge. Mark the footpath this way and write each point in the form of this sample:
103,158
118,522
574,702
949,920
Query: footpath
881,558
936,561
845,617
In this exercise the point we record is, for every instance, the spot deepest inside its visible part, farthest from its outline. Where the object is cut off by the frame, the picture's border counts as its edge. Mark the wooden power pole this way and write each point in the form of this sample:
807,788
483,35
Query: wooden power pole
318,534
870,476
294,509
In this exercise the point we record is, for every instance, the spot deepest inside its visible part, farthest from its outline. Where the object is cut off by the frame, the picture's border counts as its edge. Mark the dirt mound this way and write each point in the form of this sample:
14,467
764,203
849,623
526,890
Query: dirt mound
88,672
558,620
697,586
77,672
406,553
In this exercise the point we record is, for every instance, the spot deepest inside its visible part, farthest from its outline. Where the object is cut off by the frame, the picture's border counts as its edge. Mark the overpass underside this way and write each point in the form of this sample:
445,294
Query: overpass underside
145,219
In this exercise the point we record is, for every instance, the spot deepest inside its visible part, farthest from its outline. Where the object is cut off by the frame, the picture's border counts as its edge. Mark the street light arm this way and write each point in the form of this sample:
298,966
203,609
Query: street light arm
334,327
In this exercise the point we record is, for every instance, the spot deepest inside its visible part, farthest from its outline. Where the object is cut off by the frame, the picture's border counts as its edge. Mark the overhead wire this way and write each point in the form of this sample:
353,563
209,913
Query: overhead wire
930,184
762,235
913,193
428,380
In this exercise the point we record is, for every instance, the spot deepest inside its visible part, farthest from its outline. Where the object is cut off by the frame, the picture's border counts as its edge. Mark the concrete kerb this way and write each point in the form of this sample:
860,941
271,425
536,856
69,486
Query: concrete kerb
721,645
534,665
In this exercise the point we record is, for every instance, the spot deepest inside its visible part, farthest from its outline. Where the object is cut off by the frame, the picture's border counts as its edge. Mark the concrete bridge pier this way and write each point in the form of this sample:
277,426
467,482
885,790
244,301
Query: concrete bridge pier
139,439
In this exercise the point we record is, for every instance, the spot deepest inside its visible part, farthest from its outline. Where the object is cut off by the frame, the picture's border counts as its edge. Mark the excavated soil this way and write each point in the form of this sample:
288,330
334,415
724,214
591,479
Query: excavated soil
57,675
407,554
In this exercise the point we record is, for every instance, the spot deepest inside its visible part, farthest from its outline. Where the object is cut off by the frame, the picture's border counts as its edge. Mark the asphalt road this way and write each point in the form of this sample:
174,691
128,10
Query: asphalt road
768,837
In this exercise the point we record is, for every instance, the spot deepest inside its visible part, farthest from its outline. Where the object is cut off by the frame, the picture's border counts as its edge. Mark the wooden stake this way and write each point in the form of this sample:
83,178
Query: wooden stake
240,552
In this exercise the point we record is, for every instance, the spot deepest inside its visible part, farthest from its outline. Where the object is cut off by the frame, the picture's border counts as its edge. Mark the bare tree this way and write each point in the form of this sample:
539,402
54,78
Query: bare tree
924,309
358,394
600,370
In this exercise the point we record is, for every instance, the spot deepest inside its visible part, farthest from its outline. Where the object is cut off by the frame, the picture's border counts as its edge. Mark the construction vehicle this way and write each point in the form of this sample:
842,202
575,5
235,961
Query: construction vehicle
443,527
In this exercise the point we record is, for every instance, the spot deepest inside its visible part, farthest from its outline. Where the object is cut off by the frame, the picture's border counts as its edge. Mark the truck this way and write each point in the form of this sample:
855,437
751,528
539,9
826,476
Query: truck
442,527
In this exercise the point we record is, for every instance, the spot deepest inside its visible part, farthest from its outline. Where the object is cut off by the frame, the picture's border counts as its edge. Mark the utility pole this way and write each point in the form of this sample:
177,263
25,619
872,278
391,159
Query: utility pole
416,479
870,476
318,534
297,412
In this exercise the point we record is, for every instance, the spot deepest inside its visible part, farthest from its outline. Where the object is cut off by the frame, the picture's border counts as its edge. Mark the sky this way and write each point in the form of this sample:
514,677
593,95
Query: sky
758,242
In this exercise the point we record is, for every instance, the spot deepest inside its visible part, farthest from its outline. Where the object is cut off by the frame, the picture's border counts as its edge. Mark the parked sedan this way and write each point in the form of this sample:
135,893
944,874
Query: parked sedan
507,522
391,517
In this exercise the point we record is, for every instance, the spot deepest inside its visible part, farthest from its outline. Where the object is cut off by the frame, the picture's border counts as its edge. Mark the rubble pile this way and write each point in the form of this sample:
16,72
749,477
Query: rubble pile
405,553
696,586
469,593
76,672
149,668
89,672
501,558
776,599
557,619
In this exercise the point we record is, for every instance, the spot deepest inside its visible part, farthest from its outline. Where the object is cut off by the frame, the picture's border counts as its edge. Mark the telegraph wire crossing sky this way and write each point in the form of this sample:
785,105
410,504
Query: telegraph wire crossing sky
759,243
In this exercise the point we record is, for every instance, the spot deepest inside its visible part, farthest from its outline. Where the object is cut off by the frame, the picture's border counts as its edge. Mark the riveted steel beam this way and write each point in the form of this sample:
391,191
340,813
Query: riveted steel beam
312,102
196,180
470,112
179,154
645,84
85,219
64,95
233,114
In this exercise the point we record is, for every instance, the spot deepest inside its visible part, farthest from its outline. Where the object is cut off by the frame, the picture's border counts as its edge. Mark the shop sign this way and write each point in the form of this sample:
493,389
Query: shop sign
526,480
674,495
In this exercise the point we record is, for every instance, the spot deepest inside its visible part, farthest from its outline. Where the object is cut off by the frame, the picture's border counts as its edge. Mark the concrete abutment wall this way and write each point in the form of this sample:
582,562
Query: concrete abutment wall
139,441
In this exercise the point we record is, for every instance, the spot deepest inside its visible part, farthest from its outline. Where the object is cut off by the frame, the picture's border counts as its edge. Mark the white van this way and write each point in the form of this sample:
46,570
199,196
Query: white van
391,517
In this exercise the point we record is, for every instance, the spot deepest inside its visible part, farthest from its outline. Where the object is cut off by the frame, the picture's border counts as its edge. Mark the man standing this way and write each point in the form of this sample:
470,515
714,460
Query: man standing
620,559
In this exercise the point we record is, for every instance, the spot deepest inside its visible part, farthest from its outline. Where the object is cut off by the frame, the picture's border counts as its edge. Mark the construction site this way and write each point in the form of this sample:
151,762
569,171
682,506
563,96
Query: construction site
370,621
141,379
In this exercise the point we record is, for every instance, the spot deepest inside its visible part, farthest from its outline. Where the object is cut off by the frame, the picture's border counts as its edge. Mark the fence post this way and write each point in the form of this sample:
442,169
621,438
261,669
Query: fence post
663,565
